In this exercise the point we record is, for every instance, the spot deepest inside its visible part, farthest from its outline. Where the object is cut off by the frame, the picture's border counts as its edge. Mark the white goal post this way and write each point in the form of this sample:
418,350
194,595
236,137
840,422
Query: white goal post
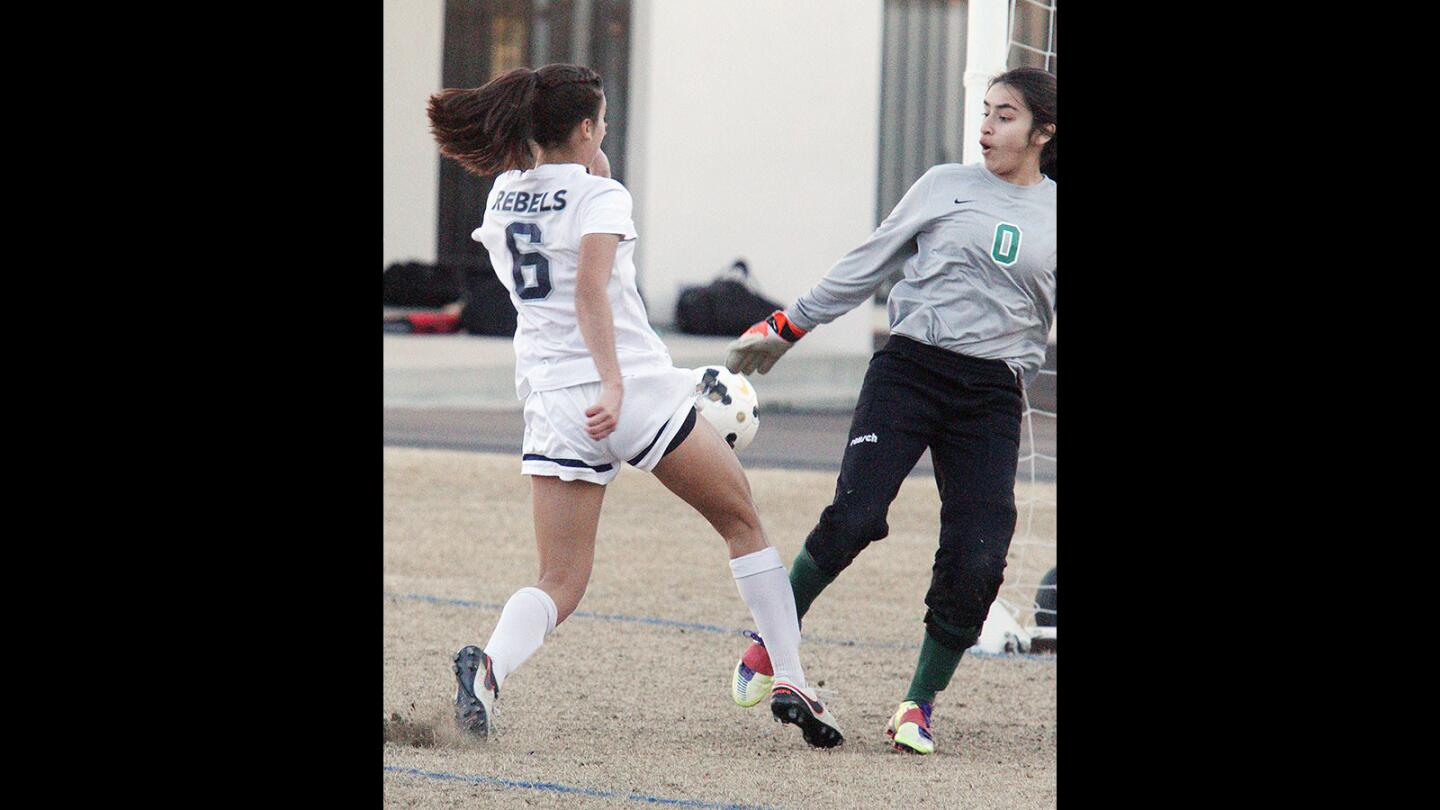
1000,38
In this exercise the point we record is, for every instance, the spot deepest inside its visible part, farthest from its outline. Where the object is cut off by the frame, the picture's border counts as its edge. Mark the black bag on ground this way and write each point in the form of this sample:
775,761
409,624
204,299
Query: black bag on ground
417,284
726,306
488,310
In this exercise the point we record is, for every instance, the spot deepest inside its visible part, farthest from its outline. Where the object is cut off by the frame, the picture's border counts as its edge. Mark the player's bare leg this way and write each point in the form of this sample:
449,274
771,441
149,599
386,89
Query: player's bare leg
705,473
567,515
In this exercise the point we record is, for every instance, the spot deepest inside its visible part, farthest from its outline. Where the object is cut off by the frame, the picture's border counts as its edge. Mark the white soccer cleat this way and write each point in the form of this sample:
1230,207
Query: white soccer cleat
475,709
791,704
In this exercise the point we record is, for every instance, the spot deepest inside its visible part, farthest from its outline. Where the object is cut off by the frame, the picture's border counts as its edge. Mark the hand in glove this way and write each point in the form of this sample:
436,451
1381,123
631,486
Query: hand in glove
762,344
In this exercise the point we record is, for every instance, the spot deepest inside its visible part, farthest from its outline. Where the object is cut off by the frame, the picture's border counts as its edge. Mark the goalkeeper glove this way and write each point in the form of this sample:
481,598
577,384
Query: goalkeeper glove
762,344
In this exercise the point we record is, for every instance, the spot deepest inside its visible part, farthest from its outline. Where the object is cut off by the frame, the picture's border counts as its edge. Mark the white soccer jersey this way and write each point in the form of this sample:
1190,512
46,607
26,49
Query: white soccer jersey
532,227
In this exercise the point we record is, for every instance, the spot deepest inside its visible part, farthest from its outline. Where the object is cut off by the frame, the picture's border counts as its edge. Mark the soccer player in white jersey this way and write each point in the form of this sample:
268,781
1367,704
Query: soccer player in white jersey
598,384
968,327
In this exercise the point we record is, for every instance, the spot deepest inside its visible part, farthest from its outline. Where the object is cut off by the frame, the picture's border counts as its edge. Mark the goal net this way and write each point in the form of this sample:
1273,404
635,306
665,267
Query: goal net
1029,590
1027,596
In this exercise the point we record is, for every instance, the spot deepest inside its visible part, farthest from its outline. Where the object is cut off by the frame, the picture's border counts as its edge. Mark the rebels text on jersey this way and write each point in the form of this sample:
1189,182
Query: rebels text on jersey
533,224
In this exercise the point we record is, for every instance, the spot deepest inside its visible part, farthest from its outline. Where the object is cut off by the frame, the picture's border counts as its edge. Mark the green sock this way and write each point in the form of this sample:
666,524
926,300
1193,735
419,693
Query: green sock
932,672
807,581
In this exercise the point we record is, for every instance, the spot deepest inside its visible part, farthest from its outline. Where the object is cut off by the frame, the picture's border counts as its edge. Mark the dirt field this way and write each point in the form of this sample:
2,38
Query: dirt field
628,700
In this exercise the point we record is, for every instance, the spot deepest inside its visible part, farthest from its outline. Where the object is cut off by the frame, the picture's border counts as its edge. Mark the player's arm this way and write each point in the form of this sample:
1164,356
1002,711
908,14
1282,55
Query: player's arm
597,328
849,282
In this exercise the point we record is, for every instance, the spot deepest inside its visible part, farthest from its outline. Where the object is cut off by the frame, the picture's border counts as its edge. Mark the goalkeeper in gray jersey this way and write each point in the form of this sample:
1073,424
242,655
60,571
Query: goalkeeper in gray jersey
968,328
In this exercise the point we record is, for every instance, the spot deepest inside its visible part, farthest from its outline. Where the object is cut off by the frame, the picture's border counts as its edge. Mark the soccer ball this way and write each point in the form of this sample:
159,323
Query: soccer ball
728,401
1045,598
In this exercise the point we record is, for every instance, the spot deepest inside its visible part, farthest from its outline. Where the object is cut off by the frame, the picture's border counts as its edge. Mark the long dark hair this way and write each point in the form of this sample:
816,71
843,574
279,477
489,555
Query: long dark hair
1037,87
488,129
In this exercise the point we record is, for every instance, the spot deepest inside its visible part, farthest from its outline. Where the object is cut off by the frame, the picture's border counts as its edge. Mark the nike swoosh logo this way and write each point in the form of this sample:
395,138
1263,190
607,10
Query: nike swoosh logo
814,707
959,201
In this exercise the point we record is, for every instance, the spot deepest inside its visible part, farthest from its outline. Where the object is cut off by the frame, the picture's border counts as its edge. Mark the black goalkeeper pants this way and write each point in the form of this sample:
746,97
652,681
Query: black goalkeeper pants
967,411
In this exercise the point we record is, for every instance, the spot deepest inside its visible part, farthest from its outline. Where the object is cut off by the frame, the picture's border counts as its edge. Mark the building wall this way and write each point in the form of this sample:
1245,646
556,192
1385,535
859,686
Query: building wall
754,131
414,31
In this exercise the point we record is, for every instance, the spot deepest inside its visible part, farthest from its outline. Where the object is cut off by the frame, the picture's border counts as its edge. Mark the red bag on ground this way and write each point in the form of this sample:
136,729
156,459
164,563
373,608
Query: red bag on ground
424,323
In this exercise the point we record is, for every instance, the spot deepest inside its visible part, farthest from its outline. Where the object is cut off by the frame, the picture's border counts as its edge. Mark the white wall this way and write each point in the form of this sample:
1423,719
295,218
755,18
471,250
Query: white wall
754,130
414,44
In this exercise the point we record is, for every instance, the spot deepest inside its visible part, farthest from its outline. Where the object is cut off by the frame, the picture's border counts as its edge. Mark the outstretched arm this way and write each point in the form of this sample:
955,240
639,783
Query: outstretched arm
850,281
854,278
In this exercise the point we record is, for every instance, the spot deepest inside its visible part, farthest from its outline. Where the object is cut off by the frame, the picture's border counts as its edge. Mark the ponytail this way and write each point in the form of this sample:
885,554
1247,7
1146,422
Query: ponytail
487,129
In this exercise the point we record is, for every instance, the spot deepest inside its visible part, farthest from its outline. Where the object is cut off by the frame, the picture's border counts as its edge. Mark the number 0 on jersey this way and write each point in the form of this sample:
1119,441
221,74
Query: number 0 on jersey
1007,244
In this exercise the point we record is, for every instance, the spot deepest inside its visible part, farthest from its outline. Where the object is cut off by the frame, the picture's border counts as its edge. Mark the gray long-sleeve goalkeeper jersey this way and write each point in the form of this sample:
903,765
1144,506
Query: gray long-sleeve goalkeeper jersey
979,261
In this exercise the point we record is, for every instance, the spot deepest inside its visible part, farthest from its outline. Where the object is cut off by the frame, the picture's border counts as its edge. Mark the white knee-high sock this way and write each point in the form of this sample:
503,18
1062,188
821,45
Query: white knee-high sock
765,587
527,619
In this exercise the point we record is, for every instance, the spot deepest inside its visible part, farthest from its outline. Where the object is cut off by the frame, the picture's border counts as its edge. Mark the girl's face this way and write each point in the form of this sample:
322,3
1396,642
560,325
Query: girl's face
1011,150
597,134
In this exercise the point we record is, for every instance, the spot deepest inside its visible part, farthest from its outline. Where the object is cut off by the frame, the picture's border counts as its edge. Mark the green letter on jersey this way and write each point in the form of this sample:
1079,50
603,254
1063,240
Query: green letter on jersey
1007,244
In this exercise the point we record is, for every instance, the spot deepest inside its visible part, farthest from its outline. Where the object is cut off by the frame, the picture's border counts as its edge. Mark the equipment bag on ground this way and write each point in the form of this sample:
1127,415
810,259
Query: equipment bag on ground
417,284
726,306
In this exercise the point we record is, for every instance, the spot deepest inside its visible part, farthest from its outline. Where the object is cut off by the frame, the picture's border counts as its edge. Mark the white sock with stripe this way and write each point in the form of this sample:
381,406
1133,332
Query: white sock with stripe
527,619
765,587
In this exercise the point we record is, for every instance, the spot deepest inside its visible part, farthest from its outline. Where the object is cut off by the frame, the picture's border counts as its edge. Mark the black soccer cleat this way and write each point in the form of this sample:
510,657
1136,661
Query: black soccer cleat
474,714
791,704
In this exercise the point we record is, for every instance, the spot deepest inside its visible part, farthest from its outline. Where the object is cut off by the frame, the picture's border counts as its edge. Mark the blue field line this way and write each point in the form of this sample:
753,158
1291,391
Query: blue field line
556,788
705,628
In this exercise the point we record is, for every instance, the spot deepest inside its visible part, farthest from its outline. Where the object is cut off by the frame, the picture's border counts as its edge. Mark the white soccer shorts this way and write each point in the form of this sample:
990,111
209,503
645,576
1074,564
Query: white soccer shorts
653,410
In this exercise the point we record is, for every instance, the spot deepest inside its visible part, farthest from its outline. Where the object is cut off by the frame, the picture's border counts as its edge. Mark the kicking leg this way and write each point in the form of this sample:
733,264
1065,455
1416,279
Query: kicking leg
705,473
887,435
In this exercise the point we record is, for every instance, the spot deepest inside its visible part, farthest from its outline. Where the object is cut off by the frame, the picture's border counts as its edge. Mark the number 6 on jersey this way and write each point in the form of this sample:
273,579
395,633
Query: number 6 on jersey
526,291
